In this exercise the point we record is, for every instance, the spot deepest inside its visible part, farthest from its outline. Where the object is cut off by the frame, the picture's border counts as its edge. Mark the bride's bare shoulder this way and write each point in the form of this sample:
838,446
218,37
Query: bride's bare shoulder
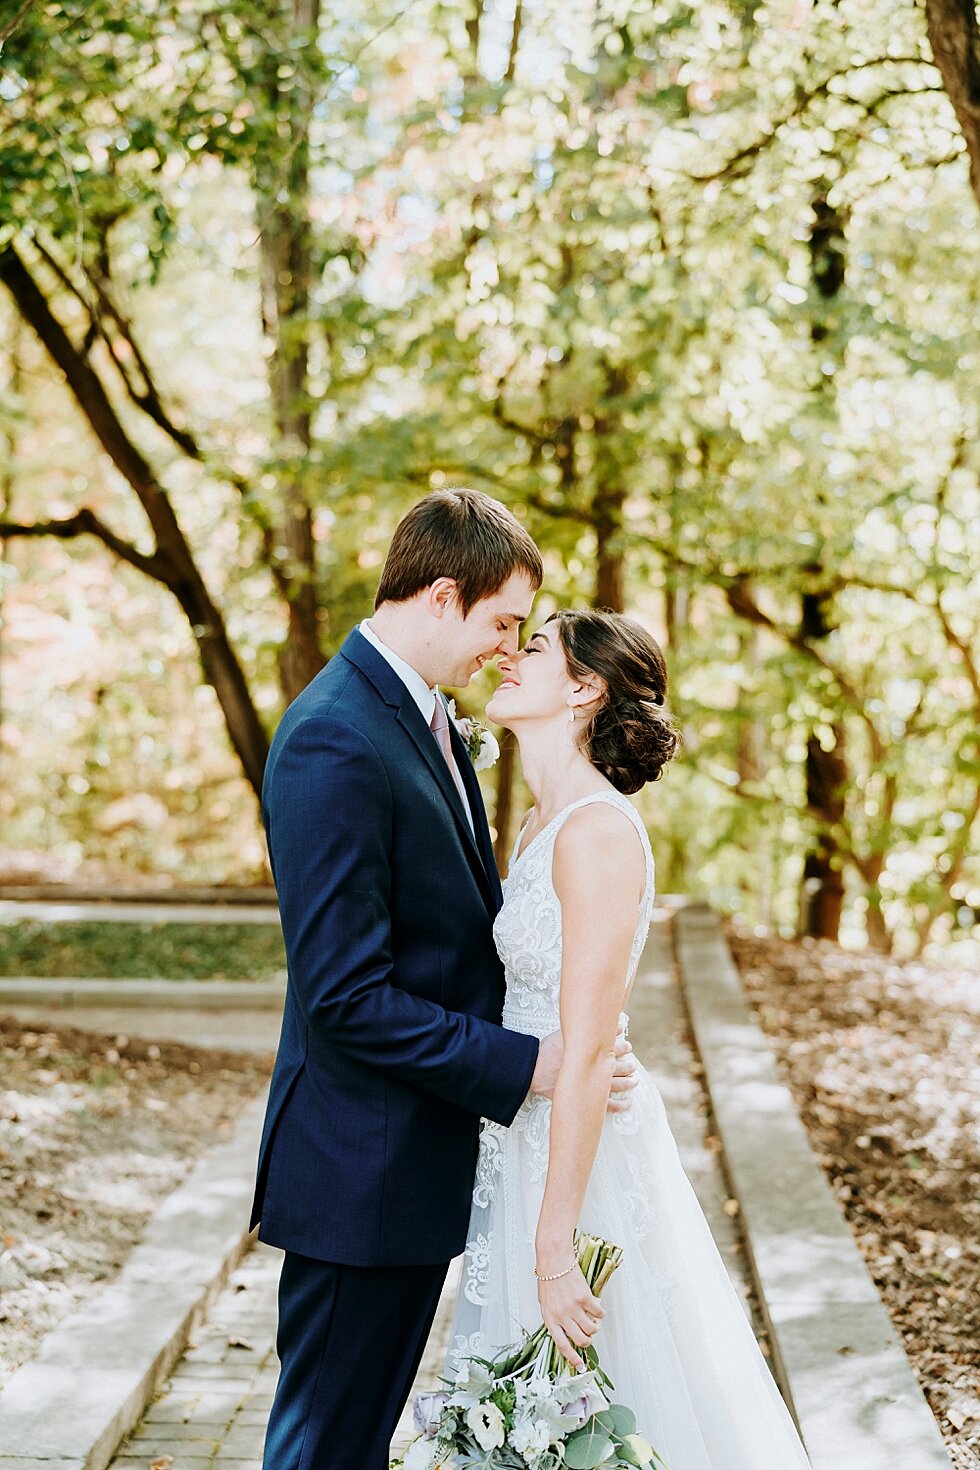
599,842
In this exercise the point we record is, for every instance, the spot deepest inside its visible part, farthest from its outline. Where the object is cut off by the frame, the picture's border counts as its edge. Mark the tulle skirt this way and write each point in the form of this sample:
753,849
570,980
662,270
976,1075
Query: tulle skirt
675,1339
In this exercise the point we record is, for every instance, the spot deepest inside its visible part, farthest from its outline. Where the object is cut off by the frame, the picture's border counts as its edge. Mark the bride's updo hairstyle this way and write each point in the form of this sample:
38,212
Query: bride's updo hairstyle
630,737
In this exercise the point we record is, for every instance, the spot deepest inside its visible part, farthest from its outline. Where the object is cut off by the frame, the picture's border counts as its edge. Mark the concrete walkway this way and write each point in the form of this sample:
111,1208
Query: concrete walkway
238,1030
16,911
839,1358
211,1414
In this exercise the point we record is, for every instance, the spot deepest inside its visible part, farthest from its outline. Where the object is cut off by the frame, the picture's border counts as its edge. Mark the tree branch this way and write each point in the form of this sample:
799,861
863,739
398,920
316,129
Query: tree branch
803,105
85,522
150,402
966,653
744,606
8,28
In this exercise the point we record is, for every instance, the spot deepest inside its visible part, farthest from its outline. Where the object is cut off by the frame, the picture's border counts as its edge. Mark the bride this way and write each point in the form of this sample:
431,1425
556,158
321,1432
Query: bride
585,698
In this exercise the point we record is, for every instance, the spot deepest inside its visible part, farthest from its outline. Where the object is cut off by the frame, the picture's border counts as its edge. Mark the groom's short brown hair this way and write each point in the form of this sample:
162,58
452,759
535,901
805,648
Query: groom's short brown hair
462,534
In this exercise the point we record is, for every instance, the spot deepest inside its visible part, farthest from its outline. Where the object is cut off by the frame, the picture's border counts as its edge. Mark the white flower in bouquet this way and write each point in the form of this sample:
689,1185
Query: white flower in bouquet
421,1455
487,1425
471,1386
530,1438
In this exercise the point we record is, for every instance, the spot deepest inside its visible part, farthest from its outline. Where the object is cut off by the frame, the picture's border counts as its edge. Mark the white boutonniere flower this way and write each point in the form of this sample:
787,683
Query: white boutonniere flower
481,746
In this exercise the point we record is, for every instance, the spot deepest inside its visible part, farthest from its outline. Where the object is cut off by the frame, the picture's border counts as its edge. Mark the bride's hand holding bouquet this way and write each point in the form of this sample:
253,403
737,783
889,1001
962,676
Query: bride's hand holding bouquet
526,1409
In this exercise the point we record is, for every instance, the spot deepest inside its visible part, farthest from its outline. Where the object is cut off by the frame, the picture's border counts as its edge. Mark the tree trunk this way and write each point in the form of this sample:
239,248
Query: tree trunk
287,273
878,935
609,589
515,41
608,501
172,561
954,36
822,898
504,806
474,24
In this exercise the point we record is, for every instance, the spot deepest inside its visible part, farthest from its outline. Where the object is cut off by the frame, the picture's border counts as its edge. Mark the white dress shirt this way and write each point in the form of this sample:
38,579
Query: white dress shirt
424,696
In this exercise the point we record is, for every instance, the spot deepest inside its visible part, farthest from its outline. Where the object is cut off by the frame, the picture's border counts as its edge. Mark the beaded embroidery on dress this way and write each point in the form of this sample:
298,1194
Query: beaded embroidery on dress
675,1339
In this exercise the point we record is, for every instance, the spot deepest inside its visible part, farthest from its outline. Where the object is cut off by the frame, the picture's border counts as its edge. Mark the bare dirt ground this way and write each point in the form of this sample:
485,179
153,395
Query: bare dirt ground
883,1058
94,1131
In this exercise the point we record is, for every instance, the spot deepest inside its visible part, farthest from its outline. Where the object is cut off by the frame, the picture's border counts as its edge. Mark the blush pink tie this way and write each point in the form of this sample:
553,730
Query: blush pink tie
439,725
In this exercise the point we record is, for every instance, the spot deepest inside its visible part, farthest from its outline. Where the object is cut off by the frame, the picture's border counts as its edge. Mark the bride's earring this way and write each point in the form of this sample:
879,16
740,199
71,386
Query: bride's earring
571,715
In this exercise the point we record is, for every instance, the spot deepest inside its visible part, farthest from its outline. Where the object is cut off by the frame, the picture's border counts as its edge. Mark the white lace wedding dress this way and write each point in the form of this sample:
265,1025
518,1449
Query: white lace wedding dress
675,1339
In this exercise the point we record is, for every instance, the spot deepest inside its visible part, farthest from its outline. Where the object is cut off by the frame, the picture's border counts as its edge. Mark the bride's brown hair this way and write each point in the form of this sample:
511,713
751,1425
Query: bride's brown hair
630,737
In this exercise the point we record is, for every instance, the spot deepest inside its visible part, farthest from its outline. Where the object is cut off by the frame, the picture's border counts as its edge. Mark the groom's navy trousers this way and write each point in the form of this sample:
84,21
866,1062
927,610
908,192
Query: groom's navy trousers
391,1050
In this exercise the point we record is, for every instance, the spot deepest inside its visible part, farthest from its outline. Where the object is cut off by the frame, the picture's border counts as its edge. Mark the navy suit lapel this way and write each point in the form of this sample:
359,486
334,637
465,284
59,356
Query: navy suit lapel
475,796
358,651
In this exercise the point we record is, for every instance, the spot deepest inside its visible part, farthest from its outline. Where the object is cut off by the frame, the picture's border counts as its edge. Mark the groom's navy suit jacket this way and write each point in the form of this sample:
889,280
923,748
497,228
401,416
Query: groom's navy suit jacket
391,1045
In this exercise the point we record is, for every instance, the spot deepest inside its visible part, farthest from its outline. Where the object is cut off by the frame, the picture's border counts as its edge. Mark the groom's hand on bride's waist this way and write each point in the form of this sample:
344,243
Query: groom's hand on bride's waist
624,1076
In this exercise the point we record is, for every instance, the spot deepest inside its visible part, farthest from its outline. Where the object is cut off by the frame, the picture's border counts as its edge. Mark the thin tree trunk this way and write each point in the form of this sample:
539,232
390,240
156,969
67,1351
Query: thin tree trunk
12,388
474,23
954,36
504,805
608,501
878,934
822,896
172,561
609,590
287,274
515,41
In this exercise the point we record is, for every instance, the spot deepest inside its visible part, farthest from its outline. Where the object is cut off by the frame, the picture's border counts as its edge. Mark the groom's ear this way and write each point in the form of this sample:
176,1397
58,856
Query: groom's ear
441,595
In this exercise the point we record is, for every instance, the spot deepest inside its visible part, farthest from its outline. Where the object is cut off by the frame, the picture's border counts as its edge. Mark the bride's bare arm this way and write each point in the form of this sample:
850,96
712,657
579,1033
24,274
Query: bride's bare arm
599,874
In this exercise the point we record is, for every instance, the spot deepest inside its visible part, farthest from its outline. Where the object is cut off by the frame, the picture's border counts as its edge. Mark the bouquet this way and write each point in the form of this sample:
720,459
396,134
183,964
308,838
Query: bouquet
527,1410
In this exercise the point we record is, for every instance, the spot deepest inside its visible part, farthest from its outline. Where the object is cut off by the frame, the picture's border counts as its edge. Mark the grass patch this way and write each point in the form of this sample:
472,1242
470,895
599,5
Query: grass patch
95,950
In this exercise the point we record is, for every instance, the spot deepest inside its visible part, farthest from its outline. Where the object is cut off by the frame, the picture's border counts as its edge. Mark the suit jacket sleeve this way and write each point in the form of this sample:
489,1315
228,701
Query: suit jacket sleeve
328,811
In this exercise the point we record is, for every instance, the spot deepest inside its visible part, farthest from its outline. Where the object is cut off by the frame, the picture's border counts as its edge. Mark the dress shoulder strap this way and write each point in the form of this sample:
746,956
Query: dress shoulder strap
621,803
611,798
519,839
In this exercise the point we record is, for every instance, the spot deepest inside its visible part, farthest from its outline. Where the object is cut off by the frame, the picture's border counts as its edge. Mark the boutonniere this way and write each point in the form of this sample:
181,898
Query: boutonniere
481,746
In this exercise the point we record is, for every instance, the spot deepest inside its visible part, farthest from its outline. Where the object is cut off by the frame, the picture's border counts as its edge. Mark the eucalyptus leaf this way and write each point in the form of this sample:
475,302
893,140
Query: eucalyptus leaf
587,1449
619,1419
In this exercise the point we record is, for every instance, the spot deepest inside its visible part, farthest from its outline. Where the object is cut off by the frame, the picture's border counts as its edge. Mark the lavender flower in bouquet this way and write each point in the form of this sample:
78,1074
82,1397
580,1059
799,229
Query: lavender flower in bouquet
527,1410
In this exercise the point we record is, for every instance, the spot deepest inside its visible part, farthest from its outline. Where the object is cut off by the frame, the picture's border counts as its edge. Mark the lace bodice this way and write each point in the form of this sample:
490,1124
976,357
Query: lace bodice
527,929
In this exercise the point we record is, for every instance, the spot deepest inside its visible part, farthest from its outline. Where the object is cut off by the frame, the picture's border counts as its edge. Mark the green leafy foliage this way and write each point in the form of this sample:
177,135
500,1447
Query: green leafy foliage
132,951
691,288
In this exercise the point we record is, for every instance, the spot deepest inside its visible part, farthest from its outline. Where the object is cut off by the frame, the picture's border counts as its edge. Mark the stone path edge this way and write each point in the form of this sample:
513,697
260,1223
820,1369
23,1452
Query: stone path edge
71,1406
184,994
84,893
836,1355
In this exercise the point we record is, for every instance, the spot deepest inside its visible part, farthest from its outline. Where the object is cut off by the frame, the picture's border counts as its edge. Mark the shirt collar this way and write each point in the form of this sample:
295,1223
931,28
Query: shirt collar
424,697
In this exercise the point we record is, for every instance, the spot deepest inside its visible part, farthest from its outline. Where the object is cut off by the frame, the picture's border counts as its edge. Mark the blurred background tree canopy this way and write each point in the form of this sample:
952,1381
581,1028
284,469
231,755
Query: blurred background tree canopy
693,289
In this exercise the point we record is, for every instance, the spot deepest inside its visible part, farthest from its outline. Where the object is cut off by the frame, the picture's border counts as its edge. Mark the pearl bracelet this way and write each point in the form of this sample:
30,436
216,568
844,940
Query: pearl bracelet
558,1274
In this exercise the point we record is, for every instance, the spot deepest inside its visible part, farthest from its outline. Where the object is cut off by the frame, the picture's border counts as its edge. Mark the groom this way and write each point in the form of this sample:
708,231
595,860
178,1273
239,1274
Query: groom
391,1047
